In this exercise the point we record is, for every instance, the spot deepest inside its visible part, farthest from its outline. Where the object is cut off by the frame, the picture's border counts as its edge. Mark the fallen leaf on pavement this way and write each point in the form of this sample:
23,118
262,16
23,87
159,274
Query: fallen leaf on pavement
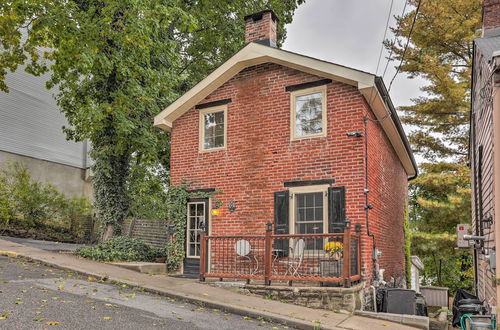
52,323
90,279
4,316
106,318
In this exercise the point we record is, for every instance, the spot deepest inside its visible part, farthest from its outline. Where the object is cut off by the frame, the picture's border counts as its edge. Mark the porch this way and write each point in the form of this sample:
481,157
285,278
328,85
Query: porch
332,258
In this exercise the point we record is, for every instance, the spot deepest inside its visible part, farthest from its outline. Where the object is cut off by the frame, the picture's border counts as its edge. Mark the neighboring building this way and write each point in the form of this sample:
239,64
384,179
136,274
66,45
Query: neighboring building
416,266
273,130
31,134
485,153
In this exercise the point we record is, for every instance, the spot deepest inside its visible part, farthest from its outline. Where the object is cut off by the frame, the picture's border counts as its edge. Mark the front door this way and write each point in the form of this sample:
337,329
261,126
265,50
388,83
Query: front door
197,222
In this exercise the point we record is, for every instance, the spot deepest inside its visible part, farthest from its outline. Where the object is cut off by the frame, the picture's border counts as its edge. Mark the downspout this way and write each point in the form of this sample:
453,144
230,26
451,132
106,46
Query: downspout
367,209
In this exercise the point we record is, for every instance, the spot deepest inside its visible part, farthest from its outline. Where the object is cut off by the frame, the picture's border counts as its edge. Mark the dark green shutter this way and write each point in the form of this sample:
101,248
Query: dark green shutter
281,220
336,209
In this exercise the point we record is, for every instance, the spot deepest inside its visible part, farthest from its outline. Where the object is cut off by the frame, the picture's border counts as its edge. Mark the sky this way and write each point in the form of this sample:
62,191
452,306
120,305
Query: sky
350,32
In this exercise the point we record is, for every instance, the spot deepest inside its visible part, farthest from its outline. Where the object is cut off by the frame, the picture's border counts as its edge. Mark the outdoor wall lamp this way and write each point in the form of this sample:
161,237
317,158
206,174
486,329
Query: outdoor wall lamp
368,207
232,206
354,134
216,212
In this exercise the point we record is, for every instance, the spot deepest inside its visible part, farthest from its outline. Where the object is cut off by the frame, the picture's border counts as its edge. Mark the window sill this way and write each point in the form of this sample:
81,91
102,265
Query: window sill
212,150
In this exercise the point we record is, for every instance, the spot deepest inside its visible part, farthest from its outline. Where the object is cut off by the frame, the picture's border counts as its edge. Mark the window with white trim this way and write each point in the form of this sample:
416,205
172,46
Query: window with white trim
308,113
309,213
213,128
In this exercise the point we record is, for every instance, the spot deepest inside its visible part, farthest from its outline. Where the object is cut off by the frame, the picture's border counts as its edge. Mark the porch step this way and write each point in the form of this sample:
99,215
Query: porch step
143,267
191,266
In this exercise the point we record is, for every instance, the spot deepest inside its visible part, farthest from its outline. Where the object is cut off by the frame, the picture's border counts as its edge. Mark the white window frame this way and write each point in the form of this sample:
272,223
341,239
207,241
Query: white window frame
304,190
201,137
187,228
293,97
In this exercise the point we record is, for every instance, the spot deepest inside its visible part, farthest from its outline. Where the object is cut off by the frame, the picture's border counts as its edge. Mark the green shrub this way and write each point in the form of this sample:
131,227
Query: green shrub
120,248
29,204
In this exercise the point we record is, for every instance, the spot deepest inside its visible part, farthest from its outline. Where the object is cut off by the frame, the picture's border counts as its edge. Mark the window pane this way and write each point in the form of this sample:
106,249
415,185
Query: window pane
308,114
213,130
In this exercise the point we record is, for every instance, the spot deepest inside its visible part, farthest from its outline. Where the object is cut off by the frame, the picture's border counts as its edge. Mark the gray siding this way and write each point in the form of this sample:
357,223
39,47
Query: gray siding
31,124
482,165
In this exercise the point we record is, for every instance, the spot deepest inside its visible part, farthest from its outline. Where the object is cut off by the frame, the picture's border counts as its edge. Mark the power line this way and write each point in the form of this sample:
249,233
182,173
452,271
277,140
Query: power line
390,53
407,43
385,33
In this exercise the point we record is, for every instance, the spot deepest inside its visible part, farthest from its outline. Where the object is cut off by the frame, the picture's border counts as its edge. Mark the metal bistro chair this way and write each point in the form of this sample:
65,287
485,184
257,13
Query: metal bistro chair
242,248
295,257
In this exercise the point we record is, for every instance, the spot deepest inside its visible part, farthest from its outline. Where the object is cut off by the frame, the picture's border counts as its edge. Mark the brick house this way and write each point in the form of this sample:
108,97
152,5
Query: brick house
484,154
293,140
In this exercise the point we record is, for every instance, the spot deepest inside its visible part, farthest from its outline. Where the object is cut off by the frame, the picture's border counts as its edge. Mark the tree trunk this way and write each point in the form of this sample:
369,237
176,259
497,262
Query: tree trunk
111,200
108,232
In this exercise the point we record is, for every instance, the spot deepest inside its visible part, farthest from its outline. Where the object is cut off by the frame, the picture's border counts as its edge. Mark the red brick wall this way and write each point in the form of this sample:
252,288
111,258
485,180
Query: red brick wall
388,185
262,29
260,155
491,14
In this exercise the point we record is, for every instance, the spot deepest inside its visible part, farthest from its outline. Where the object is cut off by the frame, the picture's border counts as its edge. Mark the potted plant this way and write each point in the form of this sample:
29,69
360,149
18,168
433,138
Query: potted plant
332,266
334,249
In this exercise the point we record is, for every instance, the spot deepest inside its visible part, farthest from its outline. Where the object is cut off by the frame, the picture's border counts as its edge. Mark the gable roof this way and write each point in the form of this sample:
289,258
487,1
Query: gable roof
370,86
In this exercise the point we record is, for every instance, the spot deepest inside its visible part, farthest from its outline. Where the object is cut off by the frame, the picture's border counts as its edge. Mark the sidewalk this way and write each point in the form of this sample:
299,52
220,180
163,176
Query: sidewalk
194,291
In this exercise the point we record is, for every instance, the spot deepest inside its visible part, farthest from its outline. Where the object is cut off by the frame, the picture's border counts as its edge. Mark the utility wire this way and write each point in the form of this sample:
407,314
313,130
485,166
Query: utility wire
385,33
406,46
390,53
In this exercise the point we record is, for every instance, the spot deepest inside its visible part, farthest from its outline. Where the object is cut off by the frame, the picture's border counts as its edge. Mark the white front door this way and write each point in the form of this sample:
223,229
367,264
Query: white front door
196,224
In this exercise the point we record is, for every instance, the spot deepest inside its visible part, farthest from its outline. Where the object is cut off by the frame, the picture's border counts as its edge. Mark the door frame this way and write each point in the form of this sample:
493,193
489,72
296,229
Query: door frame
206,202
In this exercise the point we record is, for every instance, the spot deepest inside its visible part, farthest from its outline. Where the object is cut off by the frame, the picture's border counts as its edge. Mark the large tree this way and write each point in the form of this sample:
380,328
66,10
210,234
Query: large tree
440,51
115,64
434,41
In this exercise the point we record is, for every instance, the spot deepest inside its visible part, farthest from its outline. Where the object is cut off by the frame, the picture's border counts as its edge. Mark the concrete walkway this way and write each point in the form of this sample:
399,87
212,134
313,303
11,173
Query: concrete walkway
194,291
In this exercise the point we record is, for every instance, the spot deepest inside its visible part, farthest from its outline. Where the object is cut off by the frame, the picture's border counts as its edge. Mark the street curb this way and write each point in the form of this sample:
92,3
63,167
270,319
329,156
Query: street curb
292,322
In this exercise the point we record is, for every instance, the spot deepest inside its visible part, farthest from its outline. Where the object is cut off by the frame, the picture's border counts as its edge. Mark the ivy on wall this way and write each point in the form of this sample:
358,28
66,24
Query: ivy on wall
407,246
177,199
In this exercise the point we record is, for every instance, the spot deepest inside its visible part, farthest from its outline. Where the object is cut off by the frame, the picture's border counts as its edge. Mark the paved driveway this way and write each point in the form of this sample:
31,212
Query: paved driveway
33,296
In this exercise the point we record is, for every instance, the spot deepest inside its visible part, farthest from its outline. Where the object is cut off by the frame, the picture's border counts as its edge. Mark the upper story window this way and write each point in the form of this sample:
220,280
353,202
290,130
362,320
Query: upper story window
308,113
213,128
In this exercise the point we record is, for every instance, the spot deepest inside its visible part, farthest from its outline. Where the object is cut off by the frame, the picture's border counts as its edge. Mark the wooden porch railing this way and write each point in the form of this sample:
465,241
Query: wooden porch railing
297,257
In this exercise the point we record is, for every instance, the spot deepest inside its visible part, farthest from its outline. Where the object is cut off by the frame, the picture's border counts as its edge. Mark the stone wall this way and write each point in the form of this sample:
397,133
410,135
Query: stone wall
153,232
329,298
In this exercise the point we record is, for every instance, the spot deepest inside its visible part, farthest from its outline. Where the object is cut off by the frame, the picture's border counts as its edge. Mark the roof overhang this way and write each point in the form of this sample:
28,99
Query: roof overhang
254,54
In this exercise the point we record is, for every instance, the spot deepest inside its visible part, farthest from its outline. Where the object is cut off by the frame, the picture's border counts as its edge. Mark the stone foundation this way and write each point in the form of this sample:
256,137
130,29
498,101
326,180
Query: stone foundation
329,298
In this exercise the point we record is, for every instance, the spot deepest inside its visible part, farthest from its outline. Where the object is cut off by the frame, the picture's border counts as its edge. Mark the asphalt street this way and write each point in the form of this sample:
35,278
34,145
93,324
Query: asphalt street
34,296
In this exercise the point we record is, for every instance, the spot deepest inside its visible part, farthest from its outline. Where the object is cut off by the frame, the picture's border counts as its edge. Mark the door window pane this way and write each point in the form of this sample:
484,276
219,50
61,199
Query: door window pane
309,217
309,114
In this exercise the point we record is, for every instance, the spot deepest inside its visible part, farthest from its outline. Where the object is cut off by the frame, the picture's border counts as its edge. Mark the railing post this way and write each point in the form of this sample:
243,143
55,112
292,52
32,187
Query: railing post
268,254
346,267
203,256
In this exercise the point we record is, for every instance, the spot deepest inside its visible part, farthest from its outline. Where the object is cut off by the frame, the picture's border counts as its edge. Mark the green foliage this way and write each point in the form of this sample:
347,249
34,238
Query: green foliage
31,204
444,265
118,63
120,248
441,197
440,52
177,198
148,189
407,246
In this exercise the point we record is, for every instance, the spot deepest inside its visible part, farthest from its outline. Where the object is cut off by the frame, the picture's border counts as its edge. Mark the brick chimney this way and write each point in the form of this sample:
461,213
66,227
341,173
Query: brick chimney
491,15
261,28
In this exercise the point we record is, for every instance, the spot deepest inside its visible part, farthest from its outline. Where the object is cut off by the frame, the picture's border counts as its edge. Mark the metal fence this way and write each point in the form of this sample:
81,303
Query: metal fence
299,257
